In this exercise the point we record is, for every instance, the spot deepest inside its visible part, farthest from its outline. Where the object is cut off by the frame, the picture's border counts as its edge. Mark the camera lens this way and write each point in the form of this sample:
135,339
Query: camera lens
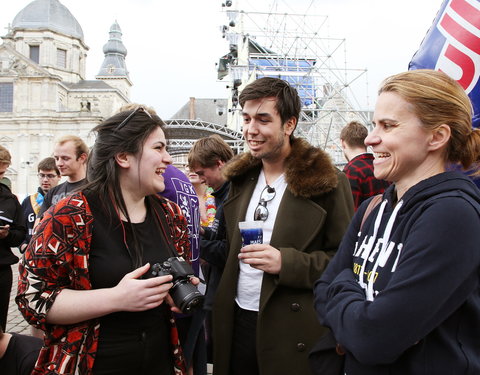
186,296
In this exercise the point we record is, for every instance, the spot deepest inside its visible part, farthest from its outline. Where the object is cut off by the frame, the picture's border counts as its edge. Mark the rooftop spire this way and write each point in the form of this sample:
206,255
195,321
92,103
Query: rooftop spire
115,52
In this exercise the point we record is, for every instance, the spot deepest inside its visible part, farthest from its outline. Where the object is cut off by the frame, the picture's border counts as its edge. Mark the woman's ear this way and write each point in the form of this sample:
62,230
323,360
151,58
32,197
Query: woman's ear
440,137
123,159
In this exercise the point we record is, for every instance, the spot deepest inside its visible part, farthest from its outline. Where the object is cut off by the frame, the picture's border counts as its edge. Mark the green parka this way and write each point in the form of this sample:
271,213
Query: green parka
313,216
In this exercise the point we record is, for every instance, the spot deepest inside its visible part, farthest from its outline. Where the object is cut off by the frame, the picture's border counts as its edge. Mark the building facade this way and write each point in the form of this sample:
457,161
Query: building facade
43,90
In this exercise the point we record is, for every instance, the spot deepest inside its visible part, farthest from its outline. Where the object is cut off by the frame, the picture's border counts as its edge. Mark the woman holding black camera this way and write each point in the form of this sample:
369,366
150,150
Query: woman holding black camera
83,278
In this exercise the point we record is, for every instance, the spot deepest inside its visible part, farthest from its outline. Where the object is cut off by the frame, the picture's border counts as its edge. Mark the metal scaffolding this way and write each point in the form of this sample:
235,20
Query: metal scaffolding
297,48
182,134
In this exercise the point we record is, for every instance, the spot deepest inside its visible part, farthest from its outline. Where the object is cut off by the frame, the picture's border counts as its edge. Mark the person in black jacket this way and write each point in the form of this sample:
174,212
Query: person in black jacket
12,233
48,178
207,158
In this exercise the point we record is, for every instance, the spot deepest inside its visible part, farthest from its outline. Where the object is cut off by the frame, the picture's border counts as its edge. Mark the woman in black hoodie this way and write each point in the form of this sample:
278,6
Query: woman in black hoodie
402,294
12,233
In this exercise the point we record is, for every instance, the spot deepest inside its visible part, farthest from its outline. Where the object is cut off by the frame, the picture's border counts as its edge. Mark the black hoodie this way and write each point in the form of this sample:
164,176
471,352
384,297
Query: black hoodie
420,311
11,214
213,247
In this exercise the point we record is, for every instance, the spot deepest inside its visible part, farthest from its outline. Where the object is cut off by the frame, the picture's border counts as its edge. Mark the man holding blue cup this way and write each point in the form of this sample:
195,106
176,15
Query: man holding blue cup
263,312
251,232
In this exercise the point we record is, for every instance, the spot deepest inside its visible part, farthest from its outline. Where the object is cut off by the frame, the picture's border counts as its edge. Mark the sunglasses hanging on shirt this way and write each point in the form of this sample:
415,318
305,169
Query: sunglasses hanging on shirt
261,212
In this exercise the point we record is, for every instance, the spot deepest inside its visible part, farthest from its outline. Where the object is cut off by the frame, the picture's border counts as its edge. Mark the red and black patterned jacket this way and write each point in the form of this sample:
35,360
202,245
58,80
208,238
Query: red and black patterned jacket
359,171
56,259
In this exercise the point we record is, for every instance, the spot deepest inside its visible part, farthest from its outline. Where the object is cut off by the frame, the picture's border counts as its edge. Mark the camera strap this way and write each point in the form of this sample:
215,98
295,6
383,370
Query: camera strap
164,220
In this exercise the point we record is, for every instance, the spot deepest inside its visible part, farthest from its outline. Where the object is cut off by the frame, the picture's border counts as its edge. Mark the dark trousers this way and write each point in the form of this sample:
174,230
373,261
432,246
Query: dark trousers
192,339
142,352
6,279
243,359
208,324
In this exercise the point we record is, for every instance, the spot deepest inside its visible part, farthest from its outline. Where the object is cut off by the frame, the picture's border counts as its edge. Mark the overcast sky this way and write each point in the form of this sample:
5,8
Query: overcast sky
173,45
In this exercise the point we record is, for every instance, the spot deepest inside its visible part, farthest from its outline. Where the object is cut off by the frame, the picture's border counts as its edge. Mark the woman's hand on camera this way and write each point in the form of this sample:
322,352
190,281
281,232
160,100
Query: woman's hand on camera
131,294
137,294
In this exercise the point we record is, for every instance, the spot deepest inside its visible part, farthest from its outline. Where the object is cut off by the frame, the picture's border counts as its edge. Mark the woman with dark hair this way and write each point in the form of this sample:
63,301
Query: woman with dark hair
83,276
402,294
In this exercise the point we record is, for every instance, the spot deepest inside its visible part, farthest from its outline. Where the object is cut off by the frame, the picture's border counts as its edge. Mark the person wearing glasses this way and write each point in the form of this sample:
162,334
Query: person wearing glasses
402,295
85,278
48,178
264,320
70,154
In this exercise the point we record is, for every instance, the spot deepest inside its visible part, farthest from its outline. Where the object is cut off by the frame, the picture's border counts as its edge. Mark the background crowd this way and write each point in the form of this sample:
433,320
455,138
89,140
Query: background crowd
342,283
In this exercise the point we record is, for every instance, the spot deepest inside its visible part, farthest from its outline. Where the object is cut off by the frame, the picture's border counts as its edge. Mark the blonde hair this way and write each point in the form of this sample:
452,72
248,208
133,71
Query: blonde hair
80,146
5,157
133,106
437,99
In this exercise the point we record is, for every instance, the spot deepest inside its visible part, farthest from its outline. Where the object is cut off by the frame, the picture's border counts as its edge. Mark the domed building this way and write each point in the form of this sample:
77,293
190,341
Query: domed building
43,90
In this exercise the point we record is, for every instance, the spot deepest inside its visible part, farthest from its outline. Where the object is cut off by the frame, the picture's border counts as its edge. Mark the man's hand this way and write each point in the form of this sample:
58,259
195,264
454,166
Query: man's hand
263,257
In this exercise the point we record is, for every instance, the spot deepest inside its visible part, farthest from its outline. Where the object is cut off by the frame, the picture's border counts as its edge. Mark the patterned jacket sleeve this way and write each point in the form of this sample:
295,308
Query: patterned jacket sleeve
55,259
178,228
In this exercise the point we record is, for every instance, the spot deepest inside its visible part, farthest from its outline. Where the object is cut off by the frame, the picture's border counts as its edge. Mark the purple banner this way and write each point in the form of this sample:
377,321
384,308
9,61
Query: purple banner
452,45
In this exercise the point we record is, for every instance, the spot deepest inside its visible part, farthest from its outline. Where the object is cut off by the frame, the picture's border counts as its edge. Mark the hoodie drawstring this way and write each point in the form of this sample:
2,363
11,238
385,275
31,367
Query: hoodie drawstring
371,242
386,240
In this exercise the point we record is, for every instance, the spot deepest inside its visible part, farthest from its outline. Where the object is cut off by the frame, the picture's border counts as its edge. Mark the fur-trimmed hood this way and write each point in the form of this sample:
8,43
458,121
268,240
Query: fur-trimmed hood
309,171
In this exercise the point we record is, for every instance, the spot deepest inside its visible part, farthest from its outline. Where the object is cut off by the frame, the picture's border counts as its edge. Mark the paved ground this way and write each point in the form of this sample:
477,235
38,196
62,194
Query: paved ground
15,321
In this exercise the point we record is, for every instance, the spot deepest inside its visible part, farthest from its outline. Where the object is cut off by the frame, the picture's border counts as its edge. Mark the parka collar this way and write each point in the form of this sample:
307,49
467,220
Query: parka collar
309,171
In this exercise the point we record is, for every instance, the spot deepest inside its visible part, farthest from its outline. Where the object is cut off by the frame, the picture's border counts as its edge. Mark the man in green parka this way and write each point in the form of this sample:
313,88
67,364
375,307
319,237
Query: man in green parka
265,322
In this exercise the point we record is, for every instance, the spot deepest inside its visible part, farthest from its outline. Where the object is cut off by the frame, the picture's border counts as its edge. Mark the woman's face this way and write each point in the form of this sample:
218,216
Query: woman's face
400,142
147,168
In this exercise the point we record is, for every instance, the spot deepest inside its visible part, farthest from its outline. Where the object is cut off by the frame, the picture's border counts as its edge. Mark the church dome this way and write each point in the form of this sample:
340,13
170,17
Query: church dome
48,14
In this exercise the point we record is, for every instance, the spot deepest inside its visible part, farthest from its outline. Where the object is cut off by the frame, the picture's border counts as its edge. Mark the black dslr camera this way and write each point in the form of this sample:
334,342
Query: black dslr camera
185,295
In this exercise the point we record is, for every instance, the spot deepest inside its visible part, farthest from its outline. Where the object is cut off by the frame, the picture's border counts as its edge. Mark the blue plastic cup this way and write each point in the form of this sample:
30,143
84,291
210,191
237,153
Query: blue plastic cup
251,231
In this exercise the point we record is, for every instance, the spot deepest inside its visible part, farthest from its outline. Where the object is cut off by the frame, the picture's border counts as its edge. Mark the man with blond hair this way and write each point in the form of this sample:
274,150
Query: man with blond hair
70,153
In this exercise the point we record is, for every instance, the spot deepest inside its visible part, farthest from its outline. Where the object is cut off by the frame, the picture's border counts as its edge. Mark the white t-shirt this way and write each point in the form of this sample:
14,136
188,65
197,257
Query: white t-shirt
250,279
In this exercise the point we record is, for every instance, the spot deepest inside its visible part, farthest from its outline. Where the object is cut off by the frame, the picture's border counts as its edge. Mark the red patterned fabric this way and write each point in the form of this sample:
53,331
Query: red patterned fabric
57,258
